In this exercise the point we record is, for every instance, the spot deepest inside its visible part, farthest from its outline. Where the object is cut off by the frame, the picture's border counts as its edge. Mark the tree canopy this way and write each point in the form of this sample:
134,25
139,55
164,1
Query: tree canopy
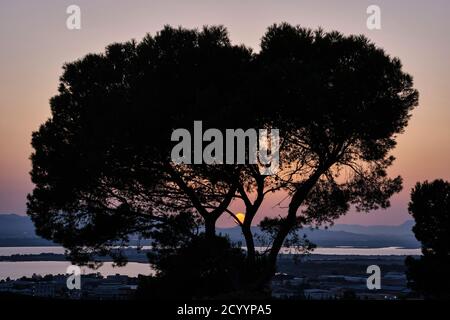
102,165
339,102
430,208
102,168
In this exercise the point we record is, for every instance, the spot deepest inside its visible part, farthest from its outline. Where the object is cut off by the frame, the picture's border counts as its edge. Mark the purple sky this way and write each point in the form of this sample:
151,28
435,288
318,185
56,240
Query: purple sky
35,43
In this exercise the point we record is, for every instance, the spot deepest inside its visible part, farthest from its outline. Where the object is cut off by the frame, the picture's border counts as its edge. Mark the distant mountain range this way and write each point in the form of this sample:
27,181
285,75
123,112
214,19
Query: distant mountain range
349,235
15,226
16,230
398,230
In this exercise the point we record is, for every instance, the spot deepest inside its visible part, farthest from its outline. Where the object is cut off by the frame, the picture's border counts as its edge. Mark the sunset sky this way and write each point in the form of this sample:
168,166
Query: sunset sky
35,43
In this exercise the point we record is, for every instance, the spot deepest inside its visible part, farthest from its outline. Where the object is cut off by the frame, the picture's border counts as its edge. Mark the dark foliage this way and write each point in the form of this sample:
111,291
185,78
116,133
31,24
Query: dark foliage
430,207
198,269
102,168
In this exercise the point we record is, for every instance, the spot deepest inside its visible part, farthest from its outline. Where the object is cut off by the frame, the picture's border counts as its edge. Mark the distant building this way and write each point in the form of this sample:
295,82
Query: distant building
342,278
318,294
282,293
281,279
400,276
113,291
93,286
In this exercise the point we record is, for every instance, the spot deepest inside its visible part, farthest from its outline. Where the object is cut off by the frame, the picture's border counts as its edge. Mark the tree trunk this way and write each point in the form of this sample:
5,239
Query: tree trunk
286,226
210,227
251,253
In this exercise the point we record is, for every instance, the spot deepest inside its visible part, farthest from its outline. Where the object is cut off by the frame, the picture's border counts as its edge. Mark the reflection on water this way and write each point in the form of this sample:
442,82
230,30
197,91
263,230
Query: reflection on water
388,251
350,251
8,251
396,251
16,270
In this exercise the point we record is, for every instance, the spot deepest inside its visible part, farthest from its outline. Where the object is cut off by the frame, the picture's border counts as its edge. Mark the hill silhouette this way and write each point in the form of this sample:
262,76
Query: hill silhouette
17,230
